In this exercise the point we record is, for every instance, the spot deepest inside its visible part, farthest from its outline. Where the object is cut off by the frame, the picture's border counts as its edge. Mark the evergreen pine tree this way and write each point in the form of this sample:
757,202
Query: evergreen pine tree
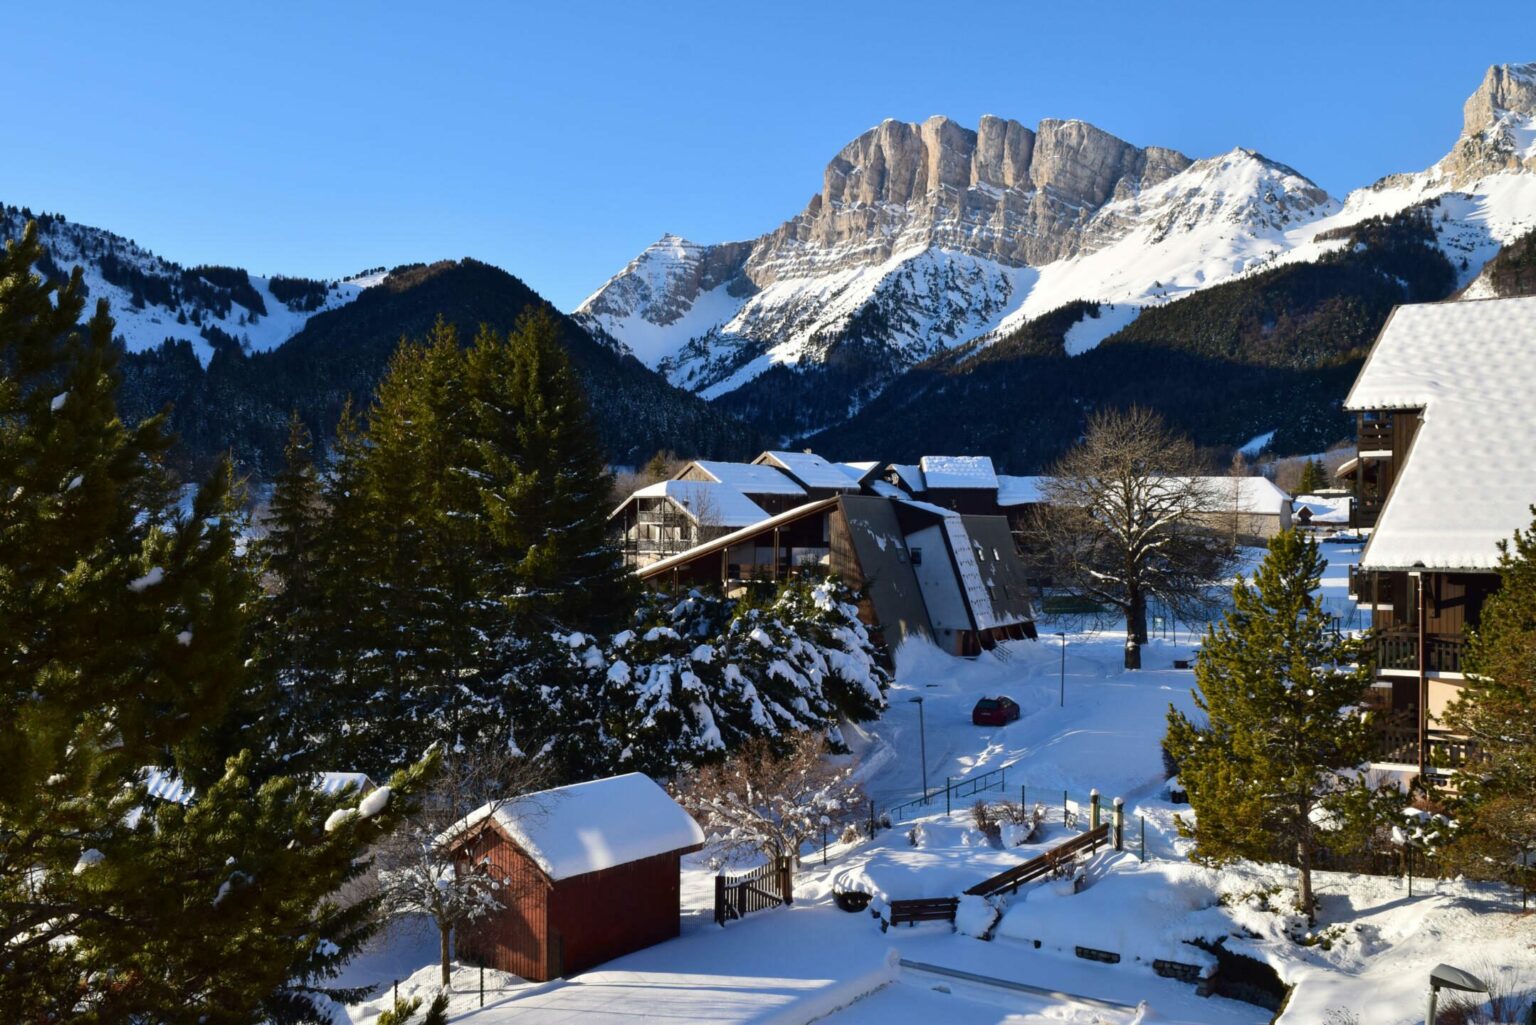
1314,476
124,645
1496,807
1278,690
298,641
545,484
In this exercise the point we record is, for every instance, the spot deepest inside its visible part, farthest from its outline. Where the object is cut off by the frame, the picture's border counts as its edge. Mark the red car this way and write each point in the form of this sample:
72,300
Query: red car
998,711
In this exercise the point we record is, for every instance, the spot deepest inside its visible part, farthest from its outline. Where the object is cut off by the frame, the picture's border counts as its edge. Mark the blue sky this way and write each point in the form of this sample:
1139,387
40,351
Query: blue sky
558,139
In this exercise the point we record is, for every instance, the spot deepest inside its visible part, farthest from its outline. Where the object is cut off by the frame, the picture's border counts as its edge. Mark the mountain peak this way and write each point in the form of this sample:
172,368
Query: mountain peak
1505,89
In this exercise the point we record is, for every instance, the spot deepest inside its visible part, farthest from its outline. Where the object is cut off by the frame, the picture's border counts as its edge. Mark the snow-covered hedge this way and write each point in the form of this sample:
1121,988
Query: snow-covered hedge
697,675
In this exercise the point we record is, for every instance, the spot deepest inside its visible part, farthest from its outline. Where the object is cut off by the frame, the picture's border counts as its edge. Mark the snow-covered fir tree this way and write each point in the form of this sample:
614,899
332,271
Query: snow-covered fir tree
698,675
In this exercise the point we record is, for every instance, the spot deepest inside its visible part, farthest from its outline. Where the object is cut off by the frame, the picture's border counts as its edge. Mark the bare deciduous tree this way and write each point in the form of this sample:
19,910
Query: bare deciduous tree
416,874
763,802
1127,519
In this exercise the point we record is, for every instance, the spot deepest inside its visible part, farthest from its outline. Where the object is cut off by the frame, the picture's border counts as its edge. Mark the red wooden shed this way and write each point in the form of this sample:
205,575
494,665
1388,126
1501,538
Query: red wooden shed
589,872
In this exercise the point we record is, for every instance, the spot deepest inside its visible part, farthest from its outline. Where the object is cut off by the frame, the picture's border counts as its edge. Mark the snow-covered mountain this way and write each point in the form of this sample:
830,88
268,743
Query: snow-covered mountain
928,235
153,299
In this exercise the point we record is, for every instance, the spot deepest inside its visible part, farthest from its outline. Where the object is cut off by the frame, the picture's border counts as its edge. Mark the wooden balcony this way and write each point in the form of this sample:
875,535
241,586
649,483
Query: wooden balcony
1399,743
1375,435
1397,650
1362,589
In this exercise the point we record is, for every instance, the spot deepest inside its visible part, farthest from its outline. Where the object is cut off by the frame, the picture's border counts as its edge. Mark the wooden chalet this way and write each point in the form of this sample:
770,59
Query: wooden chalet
923,571
587,873
1445,472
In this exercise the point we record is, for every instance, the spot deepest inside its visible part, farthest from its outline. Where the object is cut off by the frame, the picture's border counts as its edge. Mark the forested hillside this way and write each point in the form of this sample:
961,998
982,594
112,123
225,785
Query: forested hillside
241,401
1274,351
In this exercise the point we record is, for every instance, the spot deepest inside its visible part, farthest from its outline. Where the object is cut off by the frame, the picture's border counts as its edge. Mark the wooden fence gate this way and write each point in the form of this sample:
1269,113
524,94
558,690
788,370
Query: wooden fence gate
762,888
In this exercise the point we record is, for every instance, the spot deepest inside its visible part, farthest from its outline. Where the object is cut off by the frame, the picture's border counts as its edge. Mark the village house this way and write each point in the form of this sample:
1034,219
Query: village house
587,873
1445,473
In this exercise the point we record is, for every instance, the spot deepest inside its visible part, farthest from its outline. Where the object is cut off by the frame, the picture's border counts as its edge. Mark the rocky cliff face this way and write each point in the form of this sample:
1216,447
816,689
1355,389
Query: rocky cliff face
925,236
1002,192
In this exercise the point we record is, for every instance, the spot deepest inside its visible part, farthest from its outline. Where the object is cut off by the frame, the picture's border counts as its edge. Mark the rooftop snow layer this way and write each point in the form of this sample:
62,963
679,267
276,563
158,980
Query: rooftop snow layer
707,502
959,472
751,478
1469,479
910,476
1019,490
812,470
586,827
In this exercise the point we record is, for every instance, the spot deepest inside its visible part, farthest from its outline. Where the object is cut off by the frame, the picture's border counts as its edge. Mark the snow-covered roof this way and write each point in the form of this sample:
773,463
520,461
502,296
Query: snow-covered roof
911,476
1323,508
751,478
707,501
885,489
963,553
1251,495
860,468
1469,479
959,472
587,827
1019,490
811,470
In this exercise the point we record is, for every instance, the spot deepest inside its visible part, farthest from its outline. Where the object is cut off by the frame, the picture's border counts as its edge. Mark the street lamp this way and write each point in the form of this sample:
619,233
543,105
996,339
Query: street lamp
1062,634
1443,976
922,741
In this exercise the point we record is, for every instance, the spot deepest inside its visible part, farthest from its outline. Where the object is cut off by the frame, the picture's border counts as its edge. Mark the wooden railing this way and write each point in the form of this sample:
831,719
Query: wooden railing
1398,743
1362,589
1375,435
1044,865
1399,649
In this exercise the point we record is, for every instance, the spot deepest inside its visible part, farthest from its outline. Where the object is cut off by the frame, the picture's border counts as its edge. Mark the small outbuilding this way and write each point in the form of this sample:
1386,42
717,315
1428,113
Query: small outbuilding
588,872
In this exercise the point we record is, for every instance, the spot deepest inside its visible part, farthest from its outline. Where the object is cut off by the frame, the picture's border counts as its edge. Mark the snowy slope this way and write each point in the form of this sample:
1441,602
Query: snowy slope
169,307
957,258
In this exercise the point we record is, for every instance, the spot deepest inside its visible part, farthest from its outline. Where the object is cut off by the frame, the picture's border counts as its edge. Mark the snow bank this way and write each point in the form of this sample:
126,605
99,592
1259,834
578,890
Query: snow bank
1141,912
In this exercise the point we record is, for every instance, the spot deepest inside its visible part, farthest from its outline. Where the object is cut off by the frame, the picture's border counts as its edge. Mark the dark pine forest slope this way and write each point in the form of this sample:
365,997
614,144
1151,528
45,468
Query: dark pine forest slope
241,402
1275,351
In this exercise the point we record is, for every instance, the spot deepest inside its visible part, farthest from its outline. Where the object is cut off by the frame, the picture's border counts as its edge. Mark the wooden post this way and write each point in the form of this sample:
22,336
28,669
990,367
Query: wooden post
1064,810
1143,837
1422,646
720,898
946,796
482,985
787,878
1093,808
775,554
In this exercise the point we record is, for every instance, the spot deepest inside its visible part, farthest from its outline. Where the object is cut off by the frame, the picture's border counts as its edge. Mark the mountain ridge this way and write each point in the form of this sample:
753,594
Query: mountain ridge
929,235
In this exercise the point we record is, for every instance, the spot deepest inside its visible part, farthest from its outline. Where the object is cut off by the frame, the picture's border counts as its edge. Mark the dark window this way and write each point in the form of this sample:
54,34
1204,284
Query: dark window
917,556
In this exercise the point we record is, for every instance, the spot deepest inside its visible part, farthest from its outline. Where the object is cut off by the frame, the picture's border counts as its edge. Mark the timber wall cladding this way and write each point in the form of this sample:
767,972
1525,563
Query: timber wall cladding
548,929
602,915
516,938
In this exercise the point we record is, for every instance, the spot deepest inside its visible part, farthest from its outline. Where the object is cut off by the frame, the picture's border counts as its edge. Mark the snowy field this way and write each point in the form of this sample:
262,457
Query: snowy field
1370,954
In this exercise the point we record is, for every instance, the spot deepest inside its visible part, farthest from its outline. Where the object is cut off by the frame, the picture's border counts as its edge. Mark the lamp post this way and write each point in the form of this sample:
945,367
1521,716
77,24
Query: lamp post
1444,976
1063,635
922,742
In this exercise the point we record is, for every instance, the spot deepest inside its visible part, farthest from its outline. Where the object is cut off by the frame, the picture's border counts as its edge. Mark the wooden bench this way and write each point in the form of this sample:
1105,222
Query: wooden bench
924,909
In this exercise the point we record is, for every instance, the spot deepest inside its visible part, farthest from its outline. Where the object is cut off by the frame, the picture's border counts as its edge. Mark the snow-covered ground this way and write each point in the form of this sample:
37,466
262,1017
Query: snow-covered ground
1369,955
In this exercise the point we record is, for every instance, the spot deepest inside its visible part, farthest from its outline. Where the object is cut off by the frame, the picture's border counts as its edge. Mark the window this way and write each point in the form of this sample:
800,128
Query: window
917,556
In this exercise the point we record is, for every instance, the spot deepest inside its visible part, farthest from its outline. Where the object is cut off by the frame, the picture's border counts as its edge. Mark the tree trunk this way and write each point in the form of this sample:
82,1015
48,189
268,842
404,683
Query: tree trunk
1136,618
1304,860
1135,630
445,947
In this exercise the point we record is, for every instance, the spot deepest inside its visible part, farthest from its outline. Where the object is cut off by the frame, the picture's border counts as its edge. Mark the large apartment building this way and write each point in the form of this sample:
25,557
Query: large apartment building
1446,471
